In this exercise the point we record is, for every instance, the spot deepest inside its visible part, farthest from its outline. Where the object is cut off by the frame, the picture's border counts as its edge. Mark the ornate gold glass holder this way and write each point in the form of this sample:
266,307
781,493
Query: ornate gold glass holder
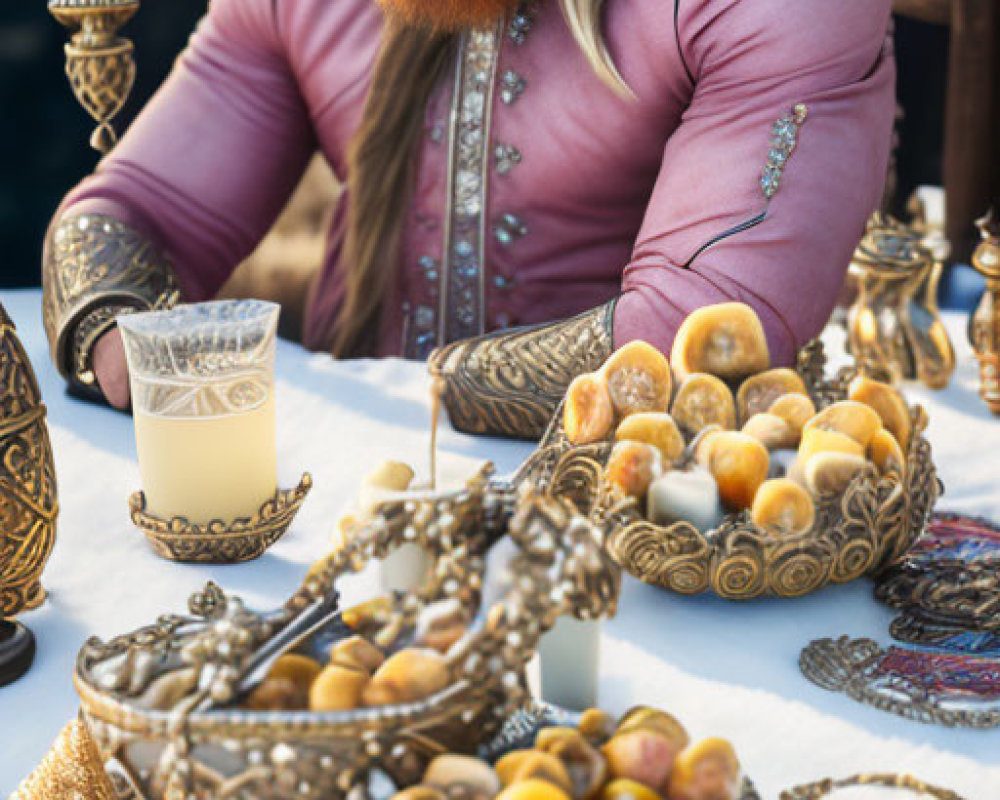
829,787
984,326
863,531
161,702
99,63
894,327
219,541
28,505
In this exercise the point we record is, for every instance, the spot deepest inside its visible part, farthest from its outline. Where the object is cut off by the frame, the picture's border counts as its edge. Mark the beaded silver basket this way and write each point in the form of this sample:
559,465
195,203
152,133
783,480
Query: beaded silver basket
862,531
162,701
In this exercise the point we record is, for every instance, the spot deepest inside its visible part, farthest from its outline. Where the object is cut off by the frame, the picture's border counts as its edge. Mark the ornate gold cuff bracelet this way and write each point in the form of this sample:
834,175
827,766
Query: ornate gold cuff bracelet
510,383
96,267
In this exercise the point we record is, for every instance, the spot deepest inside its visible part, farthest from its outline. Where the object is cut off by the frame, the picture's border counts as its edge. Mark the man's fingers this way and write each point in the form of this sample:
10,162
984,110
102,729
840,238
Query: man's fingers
111,369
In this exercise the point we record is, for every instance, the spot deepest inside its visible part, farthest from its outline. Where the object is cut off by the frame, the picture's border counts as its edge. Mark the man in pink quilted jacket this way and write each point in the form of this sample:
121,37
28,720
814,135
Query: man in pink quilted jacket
506,165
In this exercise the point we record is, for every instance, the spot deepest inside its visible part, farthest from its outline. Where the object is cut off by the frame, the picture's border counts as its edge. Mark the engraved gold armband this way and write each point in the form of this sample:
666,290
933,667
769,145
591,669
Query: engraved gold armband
510,383
96,267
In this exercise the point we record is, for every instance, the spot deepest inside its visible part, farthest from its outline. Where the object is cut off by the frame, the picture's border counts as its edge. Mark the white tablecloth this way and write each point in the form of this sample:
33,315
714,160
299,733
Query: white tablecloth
724,668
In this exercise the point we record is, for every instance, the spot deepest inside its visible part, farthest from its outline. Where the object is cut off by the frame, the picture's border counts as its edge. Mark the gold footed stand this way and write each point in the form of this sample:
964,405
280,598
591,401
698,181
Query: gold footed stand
99,63
220,542
984,326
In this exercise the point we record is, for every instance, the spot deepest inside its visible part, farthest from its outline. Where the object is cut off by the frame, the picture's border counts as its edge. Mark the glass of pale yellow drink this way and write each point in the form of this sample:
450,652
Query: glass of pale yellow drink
202,379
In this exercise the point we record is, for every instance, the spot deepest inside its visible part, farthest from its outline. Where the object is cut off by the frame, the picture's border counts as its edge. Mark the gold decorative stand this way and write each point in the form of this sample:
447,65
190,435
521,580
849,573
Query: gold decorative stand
99,63
220,542
894,328
28,504
984,326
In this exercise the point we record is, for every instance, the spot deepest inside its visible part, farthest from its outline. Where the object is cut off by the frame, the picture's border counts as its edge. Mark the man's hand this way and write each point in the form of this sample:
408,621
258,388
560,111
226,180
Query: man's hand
112,369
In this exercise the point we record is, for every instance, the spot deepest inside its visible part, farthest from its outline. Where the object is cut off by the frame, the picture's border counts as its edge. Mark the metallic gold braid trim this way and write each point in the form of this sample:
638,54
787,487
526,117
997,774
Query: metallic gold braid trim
511,383
96,267
71,770
828,786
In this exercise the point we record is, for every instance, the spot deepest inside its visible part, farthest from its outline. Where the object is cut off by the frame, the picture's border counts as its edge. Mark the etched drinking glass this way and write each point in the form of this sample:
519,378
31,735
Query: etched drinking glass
202,381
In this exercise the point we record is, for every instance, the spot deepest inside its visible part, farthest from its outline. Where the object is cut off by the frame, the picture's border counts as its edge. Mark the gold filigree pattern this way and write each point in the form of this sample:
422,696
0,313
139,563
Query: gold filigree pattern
828,787
220,542
28,505
168,690
99,63
95,267
510,383
861,532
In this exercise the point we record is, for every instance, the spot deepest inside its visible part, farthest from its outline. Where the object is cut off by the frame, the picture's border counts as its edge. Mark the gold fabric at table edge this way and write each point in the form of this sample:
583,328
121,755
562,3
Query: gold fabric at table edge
71,770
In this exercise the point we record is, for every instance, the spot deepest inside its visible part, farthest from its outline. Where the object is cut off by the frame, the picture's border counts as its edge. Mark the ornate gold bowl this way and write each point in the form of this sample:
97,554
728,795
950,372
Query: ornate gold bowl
161,701
863,531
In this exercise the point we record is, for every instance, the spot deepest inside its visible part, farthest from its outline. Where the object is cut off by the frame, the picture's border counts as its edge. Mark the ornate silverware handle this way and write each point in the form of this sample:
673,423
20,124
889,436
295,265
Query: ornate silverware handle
827,786
99,63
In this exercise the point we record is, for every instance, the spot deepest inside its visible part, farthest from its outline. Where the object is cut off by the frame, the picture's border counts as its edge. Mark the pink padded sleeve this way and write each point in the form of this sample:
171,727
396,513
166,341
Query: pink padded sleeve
709,234
210,162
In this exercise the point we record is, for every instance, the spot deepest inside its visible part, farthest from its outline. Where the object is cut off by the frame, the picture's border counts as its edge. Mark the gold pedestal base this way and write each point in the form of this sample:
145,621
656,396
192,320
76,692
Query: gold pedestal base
220,542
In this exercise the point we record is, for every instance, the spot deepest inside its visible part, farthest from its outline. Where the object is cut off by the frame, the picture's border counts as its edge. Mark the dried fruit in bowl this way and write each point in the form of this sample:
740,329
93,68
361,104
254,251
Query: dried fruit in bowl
726,340
597,726
588,415
771,431
759,392
739,464
627,789
703,400
286,687
706,770
638,379
654,428
783,508
356,652
886,454
278,694
472,777
407,676
299,669
632,467
831,473
818,440
584,764
887,403
654,719
644,755
795,409
521,765
533,789
848,417
338,688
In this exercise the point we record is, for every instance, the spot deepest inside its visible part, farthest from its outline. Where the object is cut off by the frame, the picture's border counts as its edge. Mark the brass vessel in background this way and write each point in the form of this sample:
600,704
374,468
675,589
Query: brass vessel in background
984,325
99,63
894,327
28,504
